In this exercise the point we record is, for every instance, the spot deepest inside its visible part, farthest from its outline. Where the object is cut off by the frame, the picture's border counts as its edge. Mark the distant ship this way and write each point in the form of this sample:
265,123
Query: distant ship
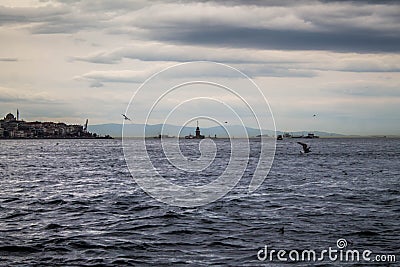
163,136
287,135
197,136
311,135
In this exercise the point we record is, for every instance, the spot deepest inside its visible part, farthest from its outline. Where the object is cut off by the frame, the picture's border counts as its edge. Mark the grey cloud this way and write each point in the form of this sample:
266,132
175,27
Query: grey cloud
343,26
25,99
70,16
260,62
373,90
95,84
99,78
163,52
368,68
289,2
105,5
380,2
29,14
8,59
231,36
271,70
72,22
52,19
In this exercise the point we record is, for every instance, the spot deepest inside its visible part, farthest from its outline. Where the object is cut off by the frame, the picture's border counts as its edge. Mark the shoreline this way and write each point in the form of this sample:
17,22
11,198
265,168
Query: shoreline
56,138
220,138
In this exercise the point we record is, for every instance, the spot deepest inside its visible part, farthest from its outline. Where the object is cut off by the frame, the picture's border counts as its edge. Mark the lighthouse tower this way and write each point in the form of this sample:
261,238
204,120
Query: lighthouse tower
198,130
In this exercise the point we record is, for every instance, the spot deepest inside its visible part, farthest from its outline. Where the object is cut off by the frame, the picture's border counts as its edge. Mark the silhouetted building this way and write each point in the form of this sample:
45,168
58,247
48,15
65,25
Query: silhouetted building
11,127
1,129
9,118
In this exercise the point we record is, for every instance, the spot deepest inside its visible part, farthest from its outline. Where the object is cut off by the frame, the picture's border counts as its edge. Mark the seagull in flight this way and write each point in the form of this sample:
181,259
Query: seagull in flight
306,148
125,117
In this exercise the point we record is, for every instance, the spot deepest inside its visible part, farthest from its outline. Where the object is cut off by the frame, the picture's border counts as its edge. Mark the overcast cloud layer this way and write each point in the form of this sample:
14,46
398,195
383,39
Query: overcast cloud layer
72,60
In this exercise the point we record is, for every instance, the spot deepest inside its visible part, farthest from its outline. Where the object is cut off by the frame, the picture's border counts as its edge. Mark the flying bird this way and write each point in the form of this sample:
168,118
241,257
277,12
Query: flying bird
315,115
306,148
125,117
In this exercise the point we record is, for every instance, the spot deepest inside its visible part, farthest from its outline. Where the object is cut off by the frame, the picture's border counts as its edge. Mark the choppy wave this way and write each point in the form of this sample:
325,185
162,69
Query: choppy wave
76,204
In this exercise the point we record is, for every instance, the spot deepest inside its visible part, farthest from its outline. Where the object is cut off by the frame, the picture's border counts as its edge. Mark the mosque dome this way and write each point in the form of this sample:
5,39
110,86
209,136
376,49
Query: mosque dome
9,117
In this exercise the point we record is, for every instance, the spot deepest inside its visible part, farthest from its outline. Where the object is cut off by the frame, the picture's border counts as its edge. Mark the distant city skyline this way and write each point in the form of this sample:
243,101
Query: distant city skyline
68,61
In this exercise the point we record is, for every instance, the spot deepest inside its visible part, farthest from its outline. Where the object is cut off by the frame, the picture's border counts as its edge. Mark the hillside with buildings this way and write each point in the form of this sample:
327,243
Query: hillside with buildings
12,127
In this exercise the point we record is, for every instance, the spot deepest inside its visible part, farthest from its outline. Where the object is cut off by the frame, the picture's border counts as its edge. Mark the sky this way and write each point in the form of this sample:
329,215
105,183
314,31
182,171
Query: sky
71,60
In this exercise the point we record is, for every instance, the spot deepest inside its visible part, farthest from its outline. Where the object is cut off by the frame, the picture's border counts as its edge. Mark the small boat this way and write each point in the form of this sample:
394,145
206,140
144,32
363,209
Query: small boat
190,136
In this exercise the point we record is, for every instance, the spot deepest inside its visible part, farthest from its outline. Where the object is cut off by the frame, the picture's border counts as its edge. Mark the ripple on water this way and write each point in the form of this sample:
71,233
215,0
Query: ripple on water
76,204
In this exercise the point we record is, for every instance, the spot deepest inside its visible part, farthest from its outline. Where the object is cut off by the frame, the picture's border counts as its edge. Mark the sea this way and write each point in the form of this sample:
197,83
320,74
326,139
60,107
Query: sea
76,203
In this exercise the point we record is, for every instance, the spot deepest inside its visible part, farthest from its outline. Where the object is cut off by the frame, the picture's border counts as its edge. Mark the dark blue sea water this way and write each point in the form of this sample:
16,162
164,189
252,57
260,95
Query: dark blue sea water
76,204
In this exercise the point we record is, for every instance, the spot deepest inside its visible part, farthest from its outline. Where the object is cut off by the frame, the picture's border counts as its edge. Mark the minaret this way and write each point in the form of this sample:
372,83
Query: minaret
197,130
85,127
17,115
